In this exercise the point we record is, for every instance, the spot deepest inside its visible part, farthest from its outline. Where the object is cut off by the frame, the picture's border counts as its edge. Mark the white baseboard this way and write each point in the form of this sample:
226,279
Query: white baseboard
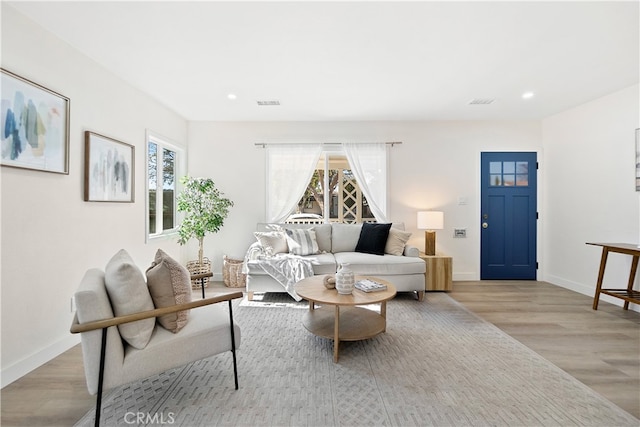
465,277
28,364
587,290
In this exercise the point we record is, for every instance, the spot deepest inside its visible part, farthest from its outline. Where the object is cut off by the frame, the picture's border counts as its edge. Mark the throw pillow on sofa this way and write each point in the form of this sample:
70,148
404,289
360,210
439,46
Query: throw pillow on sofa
169,284
274,242
302,242
129,294
396,242
373,238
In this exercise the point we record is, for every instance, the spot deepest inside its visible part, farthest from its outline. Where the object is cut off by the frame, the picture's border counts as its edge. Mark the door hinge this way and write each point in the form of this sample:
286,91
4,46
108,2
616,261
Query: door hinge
536,265
537,215
537,165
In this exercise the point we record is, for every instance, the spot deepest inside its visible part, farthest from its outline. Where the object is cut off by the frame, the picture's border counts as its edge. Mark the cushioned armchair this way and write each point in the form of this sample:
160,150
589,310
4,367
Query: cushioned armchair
110,359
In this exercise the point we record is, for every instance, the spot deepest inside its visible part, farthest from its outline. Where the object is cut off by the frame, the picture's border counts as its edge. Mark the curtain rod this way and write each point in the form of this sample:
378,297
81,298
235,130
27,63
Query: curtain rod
264,144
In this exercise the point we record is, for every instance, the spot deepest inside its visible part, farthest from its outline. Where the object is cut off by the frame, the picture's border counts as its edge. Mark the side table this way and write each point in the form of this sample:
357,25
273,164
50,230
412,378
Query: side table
438,276
627,294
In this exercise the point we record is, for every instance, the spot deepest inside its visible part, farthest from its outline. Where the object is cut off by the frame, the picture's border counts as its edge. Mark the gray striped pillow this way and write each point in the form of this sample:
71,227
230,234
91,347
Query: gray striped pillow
302,242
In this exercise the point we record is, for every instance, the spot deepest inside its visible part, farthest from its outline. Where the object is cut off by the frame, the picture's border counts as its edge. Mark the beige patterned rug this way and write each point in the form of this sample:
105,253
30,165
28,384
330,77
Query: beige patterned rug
437,364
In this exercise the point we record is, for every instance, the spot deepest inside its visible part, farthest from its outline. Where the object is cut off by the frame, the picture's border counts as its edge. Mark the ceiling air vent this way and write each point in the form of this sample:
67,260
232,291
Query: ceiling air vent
265,103
481,101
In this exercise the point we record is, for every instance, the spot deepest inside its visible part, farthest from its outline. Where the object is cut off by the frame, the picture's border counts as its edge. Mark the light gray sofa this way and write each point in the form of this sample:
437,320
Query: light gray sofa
337,244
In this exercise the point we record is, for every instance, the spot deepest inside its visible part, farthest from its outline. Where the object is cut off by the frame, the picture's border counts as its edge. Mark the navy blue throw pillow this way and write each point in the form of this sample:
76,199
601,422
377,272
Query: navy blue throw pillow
373,238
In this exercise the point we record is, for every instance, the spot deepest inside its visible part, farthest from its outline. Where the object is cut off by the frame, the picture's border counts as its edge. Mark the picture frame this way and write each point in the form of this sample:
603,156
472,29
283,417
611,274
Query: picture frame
638,159
109,169
35,125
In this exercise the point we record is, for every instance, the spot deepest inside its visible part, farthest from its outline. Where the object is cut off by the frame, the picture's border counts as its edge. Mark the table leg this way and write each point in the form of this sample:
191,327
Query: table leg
336,334
632,279
603,263
383,313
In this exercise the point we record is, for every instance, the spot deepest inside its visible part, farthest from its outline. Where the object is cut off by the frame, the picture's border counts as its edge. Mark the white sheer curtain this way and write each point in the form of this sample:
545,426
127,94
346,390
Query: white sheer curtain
369,165
289,170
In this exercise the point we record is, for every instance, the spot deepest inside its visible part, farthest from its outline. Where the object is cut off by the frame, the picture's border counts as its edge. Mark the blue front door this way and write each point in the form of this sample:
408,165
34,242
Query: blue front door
508,216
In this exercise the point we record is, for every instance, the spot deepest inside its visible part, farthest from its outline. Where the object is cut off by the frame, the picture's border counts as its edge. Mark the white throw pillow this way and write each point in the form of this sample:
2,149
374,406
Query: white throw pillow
302,242
396,242
275,240
129,294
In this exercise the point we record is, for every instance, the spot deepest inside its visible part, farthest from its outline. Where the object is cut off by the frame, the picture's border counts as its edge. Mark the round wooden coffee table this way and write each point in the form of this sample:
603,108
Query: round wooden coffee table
344,321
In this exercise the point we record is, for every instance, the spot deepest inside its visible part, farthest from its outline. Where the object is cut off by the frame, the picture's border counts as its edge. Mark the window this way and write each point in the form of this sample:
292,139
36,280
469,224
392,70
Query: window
164,167
348,182
509,174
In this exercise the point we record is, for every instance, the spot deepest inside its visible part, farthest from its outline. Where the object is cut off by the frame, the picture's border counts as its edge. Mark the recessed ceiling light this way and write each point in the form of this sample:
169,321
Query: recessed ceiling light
527,95
232,96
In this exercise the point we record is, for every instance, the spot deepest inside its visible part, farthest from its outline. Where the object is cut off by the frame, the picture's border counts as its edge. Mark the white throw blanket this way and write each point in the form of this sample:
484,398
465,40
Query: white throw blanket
288,270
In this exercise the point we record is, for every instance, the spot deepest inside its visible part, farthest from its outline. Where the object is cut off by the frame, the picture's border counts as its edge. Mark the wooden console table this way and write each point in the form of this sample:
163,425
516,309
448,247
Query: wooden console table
628,294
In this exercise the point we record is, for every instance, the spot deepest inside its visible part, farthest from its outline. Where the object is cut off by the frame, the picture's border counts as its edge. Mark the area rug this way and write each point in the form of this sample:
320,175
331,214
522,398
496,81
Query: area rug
437,365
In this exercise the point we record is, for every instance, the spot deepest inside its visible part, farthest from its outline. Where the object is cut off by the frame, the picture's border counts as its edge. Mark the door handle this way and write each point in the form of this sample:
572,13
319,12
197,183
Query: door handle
485,225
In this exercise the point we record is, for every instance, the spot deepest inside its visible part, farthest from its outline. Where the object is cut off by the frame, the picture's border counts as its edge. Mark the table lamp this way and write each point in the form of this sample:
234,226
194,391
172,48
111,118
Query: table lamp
430,221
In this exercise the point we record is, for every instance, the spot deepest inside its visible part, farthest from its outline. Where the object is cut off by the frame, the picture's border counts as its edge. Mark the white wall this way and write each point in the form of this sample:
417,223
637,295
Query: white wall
437,163
590,190
50,236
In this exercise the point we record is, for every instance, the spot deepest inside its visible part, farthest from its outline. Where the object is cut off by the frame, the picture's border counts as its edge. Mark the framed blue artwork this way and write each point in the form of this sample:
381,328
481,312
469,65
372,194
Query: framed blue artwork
35,126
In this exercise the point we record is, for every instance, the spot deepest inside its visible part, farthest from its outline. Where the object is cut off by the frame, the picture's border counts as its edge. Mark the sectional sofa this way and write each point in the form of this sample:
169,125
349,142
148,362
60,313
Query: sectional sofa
337,244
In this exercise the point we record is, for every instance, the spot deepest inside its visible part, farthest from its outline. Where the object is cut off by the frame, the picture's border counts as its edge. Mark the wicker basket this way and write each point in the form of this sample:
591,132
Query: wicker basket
194,267
232,274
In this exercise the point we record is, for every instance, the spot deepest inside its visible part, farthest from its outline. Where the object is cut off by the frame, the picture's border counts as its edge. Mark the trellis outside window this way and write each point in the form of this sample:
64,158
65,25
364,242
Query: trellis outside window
345,200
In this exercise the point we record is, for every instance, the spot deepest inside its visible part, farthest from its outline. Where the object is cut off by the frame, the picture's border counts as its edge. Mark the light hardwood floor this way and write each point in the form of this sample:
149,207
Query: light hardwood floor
600,348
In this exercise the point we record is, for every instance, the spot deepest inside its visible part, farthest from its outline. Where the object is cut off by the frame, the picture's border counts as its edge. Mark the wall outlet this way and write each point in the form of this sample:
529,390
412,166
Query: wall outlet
459,233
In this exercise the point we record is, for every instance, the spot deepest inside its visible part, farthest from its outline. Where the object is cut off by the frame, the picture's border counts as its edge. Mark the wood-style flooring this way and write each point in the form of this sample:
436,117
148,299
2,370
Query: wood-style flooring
600,348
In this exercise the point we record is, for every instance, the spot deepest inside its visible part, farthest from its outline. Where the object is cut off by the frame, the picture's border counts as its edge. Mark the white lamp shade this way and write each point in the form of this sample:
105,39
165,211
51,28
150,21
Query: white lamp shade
430,220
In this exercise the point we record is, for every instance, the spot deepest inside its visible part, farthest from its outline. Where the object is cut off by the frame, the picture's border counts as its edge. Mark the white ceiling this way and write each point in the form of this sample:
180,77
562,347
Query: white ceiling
357,60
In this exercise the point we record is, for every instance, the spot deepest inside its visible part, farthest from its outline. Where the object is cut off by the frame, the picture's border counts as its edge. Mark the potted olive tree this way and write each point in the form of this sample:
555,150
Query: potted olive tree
205,211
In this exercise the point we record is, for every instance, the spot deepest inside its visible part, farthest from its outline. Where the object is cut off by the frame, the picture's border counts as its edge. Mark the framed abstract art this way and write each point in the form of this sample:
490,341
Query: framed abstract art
108,169
35,126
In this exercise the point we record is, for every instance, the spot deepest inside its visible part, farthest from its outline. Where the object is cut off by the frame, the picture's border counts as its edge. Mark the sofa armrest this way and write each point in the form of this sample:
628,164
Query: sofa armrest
255,251
114,321
411,251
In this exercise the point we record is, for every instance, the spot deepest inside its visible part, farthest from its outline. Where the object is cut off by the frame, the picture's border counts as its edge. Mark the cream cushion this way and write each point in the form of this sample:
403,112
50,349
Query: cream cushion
381,266
396,242
344,237
276,240
129,294
169,284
